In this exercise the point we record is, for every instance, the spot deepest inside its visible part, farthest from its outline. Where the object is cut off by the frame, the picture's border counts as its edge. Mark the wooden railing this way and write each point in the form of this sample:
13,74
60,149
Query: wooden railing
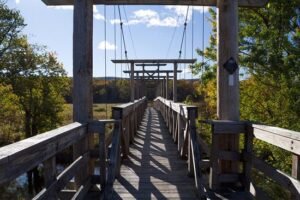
283,138
181,121
131,115
41,150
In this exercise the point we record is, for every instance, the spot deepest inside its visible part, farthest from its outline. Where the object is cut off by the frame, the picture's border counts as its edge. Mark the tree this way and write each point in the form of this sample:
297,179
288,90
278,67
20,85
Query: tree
11,23
269,49
10,116
40,82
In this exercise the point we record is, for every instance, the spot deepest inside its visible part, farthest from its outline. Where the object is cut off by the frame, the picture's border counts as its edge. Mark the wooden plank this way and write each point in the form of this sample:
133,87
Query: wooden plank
132,82
227,84
228,155
229,178
247,165
82,191
113,161
228,126
63,178
215,168
102,158
175,83
258,193
280,177
196,157
20,157
204,164
278,131
49,171
243,3
83,76
153,166
296,167
288,142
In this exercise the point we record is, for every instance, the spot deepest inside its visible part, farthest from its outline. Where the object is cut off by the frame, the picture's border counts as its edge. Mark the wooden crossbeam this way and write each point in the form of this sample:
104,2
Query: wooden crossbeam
155,61
151,71
151,78
151,65
241,3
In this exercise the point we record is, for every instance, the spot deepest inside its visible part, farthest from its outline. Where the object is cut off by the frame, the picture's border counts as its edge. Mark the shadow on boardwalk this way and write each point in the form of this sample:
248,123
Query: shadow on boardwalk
153,169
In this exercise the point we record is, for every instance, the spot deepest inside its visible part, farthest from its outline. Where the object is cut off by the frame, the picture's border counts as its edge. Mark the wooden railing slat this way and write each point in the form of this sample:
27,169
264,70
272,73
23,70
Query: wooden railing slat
280,177
20,157
63,178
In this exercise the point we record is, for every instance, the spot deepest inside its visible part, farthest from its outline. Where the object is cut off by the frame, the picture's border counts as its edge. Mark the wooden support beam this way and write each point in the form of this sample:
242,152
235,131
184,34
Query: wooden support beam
155,61
175,83
243,3
82,75
167,80
150,65
150,71
132,82
228,84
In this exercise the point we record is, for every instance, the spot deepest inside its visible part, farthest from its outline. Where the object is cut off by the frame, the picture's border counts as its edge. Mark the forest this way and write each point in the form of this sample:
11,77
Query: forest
35,88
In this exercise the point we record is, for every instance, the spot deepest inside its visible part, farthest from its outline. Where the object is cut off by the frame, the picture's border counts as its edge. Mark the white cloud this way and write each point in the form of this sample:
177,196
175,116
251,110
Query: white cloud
174,18
181,11
105,44
98,16
115,21
18,1
151,18
62,7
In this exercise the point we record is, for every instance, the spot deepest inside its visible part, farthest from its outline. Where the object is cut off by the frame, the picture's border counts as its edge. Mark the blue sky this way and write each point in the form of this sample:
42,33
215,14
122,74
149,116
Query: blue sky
151,28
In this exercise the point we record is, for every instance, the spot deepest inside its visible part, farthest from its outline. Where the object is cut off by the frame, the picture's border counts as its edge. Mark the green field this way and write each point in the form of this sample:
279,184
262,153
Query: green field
99,112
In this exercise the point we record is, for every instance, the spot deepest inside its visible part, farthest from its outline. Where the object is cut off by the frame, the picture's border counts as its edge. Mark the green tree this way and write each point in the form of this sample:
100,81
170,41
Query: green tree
11,23
269,50
40,82
10,116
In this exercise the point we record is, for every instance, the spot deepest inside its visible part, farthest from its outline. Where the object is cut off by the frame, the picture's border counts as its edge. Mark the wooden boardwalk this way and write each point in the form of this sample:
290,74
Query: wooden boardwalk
153,169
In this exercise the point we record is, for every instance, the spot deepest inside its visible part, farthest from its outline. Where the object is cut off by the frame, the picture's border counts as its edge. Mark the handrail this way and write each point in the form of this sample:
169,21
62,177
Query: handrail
181,121
130,115
22,156
279,137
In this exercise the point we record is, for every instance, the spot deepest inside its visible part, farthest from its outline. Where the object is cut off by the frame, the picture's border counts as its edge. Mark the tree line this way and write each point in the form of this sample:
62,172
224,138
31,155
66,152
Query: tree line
269,49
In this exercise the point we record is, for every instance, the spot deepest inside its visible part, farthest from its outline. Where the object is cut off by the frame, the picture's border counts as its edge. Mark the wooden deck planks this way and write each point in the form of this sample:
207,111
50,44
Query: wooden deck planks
153,169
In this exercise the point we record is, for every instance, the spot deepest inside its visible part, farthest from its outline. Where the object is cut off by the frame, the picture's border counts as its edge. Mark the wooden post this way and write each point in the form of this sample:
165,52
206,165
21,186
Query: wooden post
175,83
167,80
132,82
82,75
228,85
296,167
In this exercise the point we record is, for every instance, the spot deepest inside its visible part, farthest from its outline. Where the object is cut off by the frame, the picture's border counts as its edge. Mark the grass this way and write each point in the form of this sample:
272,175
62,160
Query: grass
99,112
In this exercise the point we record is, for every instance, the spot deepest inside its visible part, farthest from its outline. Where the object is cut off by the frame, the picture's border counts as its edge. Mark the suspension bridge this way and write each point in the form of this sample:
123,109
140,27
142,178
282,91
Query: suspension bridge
154,150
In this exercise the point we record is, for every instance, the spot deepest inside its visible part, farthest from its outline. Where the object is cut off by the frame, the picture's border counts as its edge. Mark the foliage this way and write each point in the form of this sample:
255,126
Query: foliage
39,81
10,116
269,49
11,23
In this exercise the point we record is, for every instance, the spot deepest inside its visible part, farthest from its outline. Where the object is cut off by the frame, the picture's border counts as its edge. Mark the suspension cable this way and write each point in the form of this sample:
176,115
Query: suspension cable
202,70
122,32
172,38
130,34
115,41
184,31
192,38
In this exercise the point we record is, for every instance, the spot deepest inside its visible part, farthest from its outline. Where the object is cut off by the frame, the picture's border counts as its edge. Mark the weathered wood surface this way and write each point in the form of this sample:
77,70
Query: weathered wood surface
20,157
283,138
153,168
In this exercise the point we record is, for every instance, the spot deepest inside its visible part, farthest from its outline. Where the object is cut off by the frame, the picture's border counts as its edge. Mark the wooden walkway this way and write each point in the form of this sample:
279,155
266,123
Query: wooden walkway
153,169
